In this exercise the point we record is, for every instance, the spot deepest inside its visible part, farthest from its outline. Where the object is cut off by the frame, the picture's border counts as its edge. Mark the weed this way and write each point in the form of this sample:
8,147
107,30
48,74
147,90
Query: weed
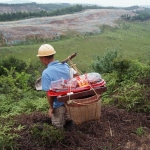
47,133
140,131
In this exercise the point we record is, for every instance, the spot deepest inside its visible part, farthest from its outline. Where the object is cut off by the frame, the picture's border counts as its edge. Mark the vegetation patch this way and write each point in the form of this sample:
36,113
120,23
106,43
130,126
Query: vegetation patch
124,65
35,131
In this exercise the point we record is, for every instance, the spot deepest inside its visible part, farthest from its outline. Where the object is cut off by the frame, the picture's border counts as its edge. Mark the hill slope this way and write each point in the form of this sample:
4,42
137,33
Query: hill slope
84,22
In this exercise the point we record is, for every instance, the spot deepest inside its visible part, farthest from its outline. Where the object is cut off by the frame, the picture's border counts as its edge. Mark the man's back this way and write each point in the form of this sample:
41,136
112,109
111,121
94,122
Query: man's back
54,71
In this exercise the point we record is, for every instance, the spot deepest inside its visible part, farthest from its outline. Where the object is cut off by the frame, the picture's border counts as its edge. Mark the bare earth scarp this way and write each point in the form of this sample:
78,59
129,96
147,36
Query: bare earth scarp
52,27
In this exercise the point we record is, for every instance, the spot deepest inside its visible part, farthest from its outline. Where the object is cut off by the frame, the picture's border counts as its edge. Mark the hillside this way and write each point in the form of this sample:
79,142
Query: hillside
125,120
31,7
88,21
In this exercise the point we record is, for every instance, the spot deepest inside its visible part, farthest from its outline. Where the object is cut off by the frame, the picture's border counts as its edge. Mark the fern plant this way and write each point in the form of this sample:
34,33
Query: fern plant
15,84
132,97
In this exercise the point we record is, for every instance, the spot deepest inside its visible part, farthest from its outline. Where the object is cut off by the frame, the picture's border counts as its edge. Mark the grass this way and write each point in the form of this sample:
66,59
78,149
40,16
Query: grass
131,38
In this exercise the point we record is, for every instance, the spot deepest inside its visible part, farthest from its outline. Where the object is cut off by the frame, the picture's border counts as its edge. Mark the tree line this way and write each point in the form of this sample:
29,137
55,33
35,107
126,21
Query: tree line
34,7
140,15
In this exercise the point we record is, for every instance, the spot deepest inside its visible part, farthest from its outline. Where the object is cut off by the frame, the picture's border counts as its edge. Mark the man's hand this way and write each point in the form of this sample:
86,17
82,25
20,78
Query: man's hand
50,111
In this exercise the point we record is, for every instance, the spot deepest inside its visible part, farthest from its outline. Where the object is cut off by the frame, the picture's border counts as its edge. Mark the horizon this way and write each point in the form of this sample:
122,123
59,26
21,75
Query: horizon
114,3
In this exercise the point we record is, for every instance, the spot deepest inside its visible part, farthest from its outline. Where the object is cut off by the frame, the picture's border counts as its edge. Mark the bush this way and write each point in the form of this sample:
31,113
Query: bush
133,97
104,63
128,86
12,62
126,82
137,70
35,70
121,67
15,84
29,70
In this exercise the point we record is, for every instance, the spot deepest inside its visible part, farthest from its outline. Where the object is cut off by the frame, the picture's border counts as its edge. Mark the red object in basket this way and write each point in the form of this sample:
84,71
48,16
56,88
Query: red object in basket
75,90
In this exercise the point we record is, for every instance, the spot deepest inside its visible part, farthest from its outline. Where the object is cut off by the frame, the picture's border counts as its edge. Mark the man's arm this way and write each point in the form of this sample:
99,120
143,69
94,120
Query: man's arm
50,101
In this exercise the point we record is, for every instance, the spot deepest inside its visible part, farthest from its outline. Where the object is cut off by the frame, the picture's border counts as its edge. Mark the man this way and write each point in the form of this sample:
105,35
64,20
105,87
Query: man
54,71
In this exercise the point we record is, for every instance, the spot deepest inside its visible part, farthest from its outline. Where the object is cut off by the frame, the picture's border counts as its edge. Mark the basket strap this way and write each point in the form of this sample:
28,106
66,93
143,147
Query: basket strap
75,67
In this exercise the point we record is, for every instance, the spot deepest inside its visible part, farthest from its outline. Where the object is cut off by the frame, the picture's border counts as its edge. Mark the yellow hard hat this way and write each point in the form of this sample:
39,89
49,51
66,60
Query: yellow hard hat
46,50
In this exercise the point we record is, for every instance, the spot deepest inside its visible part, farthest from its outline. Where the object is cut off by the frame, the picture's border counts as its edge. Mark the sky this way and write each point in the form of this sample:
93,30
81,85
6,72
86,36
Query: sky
124,3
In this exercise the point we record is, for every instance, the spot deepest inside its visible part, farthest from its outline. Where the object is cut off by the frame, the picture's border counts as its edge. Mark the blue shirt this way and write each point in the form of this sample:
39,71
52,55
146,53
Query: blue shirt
54,71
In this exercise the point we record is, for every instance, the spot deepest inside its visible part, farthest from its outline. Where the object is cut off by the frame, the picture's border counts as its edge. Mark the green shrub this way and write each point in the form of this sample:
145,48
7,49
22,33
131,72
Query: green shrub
11,62
35,70
15,84
132,97
128,86
32,69
130,69
6,104
121,65
6,137
104,63
137,70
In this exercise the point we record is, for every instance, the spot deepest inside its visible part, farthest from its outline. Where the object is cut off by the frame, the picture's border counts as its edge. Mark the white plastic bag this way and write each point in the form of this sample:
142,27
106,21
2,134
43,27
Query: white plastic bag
62,84
92,77
58,84
72,83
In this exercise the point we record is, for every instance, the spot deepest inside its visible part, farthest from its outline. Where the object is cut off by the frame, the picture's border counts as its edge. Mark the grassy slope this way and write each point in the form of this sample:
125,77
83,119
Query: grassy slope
134,43
131,38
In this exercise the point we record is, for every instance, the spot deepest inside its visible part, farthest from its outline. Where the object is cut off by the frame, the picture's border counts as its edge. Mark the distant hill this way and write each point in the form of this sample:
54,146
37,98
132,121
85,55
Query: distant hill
28,7
146,6
17,1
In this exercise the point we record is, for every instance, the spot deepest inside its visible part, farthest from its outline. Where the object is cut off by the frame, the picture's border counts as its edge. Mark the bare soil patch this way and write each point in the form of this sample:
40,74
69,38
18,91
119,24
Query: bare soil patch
115,130
87,21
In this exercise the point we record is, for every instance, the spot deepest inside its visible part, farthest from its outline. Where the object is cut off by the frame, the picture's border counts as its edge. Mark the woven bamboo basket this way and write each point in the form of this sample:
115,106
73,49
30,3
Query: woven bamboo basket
85,109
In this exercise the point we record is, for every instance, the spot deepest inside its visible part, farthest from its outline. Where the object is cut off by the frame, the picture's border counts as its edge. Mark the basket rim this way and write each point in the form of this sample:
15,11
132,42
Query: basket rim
74,102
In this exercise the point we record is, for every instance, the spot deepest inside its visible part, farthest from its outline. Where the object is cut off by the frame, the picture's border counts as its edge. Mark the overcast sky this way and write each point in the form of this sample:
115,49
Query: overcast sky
98,2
